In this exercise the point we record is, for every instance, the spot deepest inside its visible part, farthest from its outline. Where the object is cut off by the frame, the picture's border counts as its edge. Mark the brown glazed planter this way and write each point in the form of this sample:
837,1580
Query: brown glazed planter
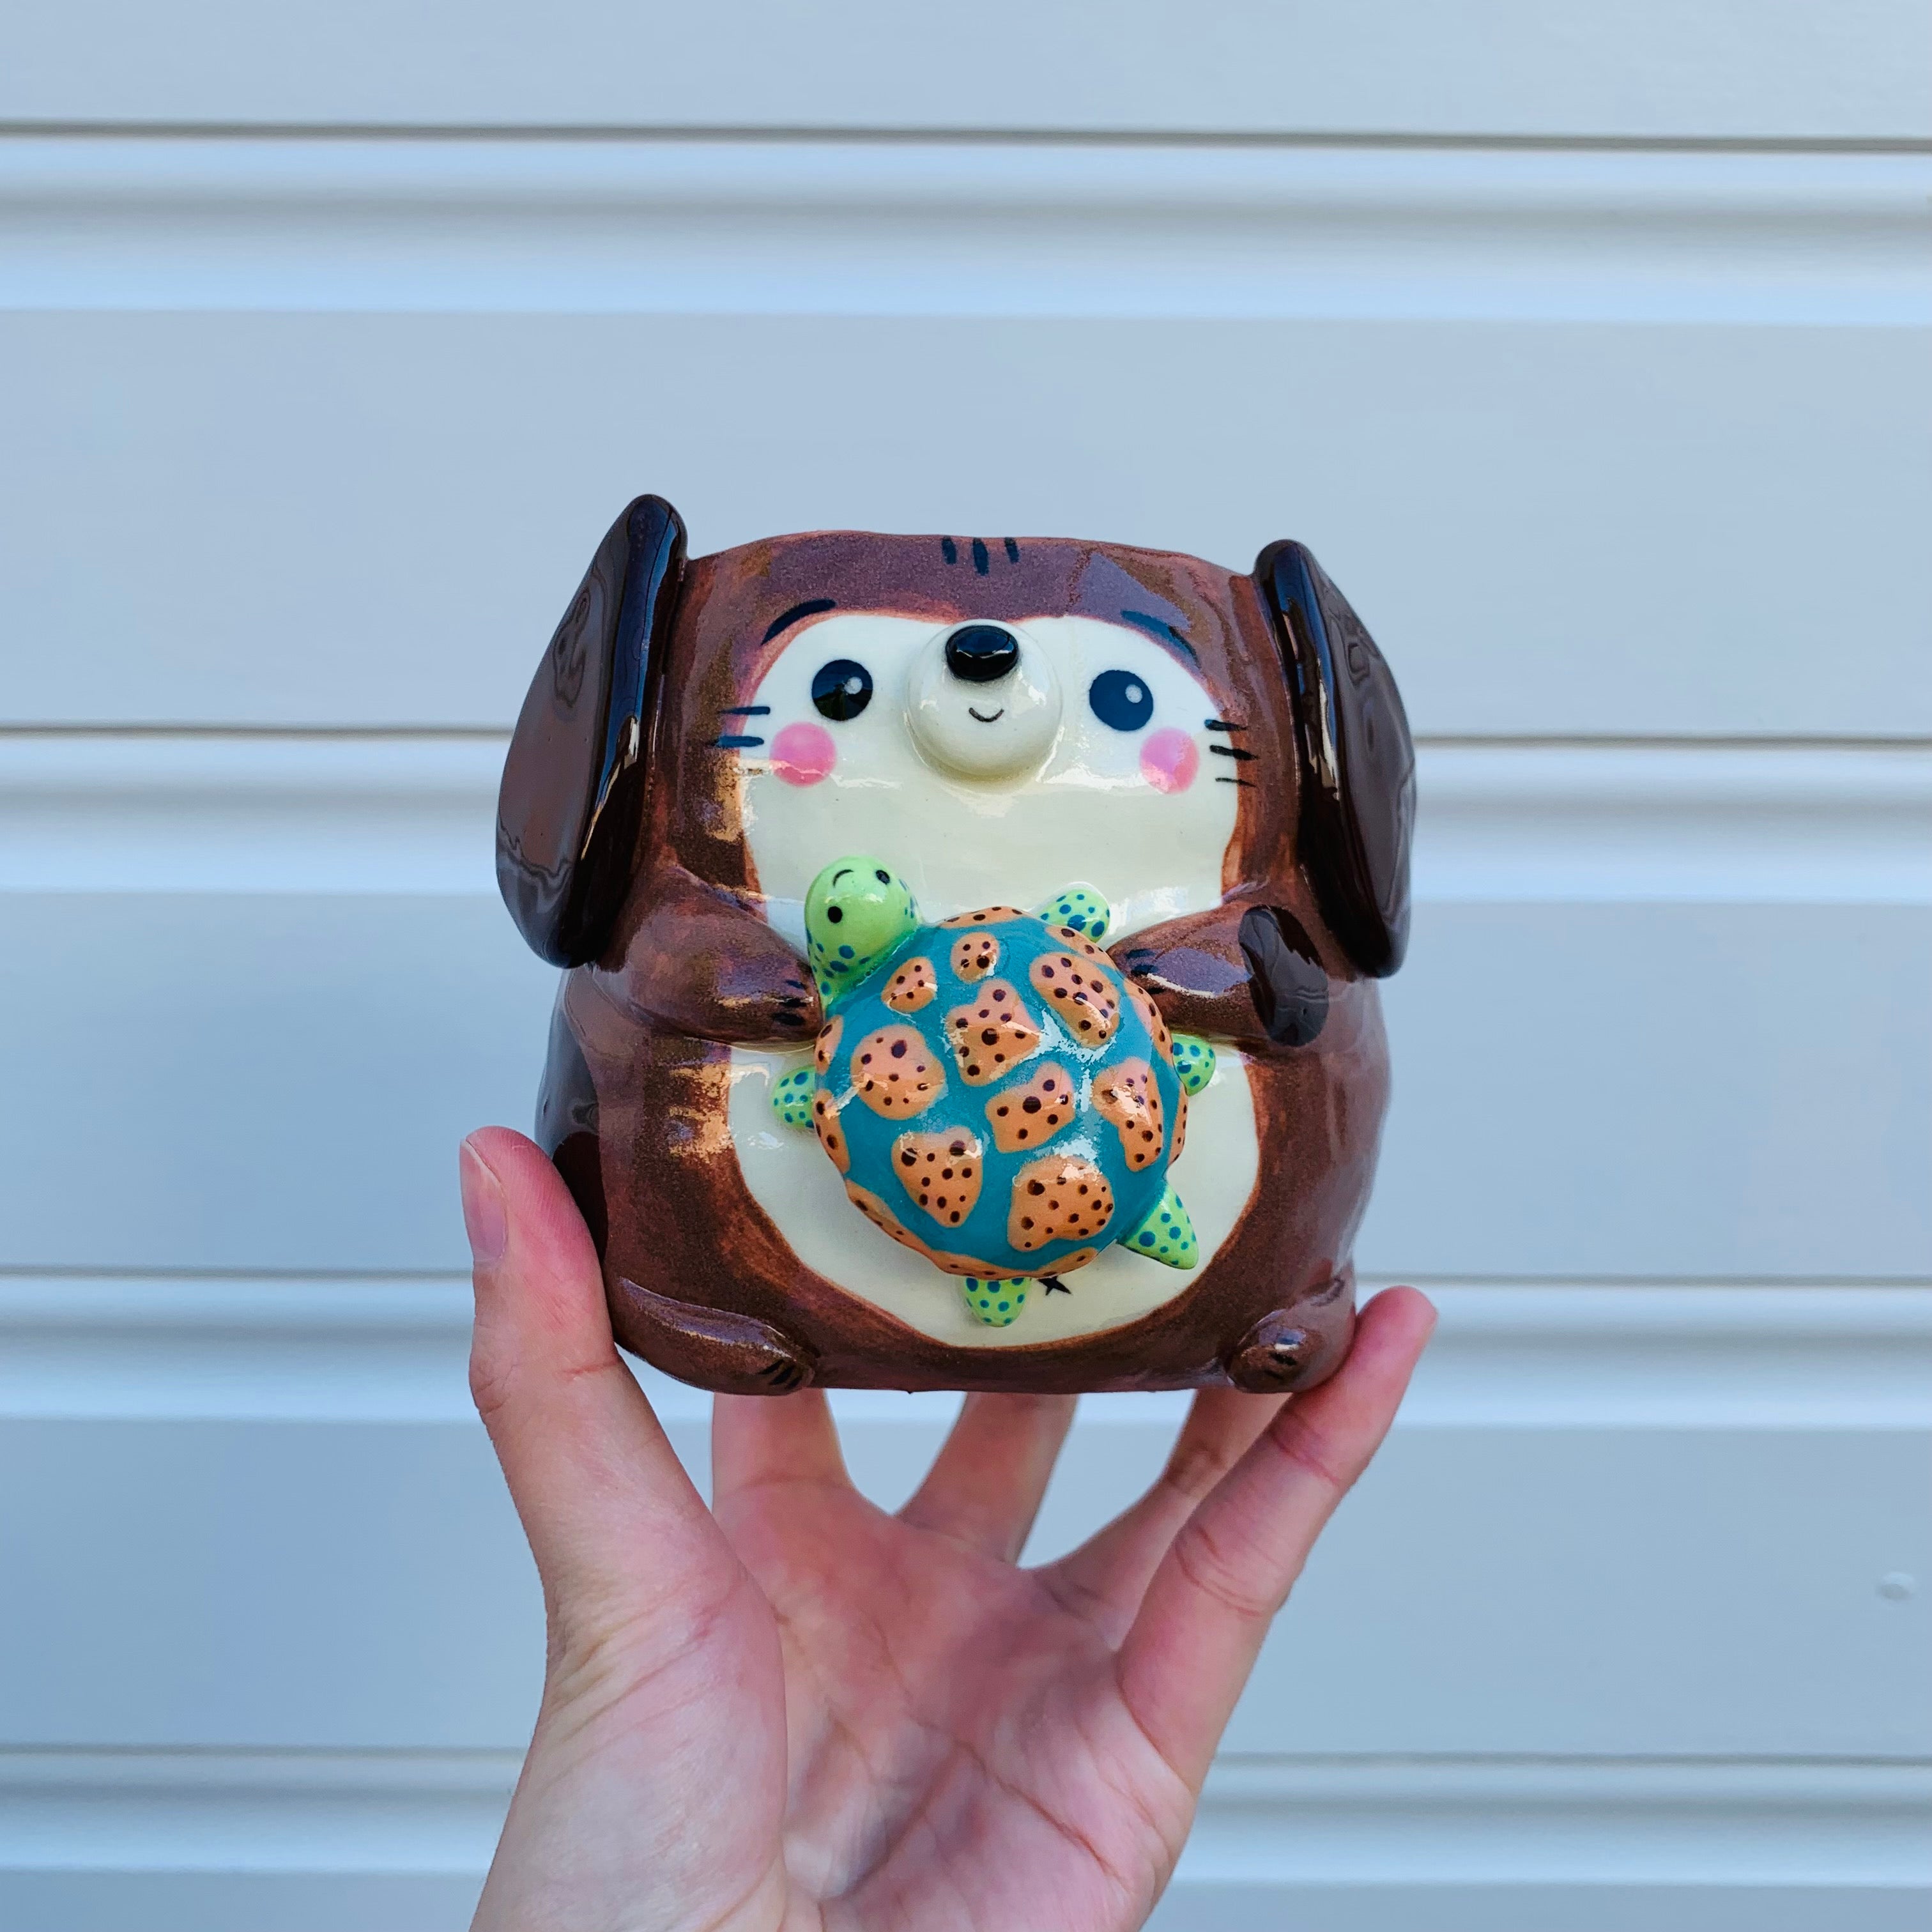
1211,771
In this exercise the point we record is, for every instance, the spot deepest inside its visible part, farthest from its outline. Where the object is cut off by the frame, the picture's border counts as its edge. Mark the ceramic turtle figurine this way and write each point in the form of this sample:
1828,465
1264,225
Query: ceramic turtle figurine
997,1095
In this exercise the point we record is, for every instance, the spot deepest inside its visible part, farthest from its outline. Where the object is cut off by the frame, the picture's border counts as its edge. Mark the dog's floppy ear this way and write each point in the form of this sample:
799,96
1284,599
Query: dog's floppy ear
573,791
1357,760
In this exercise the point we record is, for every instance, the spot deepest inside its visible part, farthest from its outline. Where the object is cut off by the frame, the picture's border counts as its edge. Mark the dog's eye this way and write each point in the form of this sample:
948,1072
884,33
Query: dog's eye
1120,699
842,689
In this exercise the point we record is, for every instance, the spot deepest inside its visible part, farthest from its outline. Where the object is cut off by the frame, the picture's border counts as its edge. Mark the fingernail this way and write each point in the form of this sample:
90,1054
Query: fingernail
483,1218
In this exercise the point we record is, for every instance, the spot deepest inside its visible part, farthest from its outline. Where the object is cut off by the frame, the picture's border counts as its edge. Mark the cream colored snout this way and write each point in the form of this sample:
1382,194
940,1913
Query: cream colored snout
982,700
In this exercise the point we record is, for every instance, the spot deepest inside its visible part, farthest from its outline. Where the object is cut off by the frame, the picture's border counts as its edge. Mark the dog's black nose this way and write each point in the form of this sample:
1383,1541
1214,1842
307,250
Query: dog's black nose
982,653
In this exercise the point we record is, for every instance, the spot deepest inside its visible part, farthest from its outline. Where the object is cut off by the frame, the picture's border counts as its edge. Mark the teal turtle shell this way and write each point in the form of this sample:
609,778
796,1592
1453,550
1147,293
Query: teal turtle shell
1000,1102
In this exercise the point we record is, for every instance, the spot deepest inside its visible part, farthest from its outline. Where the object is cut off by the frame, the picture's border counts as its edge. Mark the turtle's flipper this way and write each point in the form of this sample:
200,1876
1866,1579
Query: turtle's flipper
1193,1060
791,1098
996,1304
1167,1235
1079,908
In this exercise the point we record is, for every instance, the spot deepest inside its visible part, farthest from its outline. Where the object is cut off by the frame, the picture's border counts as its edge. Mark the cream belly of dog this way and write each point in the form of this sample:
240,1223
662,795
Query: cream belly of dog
985,794
790,1178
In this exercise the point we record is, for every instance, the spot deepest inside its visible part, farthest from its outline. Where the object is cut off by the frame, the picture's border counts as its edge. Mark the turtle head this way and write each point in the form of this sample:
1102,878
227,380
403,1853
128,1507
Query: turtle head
856,911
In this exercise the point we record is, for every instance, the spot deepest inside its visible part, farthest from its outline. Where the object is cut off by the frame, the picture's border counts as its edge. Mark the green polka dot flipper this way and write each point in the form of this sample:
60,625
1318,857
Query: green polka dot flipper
1167,1235
996,1304
1080,909
1193,1060
791,1098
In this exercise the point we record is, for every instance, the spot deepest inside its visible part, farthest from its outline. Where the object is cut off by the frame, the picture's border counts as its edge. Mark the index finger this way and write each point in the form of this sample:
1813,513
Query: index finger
611,1517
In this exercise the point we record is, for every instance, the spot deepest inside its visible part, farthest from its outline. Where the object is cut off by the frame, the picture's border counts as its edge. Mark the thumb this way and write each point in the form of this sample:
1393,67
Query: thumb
614,1521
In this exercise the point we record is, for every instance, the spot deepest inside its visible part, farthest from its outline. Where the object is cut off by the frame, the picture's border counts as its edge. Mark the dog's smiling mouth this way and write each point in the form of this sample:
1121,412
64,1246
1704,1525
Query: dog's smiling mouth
984,720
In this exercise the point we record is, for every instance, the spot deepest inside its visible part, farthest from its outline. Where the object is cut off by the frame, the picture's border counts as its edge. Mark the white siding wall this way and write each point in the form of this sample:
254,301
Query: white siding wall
1587,345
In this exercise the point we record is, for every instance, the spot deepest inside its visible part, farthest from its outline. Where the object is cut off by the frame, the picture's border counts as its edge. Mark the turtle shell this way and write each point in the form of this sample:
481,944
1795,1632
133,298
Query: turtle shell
997,1097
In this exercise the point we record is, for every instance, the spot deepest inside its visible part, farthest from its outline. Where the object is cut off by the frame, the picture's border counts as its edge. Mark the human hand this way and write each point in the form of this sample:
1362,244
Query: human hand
794,1712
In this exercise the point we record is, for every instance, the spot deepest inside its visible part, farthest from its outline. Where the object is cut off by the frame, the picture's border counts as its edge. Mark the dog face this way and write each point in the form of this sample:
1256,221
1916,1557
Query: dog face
1000,718
989,762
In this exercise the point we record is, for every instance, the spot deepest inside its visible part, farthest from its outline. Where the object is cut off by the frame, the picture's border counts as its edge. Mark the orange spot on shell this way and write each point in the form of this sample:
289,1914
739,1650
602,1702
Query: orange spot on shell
974,955
895,1073
831,1137
992,1034
1059,1197
986,916
1028,1117
1127,1096
942,1172
1079,942
1149,1016
913,984
828,1042
1084,996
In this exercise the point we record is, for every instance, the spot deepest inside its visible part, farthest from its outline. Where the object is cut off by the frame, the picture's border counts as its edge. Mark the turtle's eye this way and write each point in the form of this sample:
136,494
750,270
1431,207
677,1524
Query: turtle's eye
842,689
1120,700
884,878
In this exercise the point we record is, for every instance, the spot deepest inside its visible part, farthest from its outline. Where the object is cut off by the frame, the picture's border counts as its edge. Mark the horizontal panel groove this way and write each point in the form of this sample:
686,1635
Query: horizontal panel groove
1327,1819
248,813
1643,67
1828,1356
1522,821
292,1811
1608,1822
1737,824
884,135
960,229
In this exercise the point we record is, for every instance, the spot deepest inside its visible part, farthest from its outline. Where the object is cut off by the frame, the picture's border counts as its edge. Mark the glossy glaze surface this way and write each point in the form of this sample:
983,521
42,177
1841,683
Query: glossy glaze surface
998,718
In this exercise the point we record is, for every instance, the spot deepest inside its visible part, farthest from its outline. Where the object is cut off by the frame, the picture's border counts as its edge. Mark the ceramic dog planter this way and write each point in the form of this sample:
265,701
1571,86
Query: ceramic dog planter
972,949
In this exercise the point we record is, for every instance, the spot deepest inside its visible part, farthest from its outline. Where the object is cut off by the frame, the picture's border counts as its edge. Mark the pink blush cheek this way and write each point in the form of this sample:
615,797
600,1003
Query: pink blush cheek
801,754
1169,760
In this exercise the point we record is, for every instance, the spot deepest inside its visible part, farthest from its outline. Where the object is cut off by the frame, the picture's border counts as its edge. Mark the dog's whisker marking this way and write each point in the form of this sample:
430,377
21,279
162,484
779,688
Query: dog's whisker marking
1231,752
1221,724
745,711
735,741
